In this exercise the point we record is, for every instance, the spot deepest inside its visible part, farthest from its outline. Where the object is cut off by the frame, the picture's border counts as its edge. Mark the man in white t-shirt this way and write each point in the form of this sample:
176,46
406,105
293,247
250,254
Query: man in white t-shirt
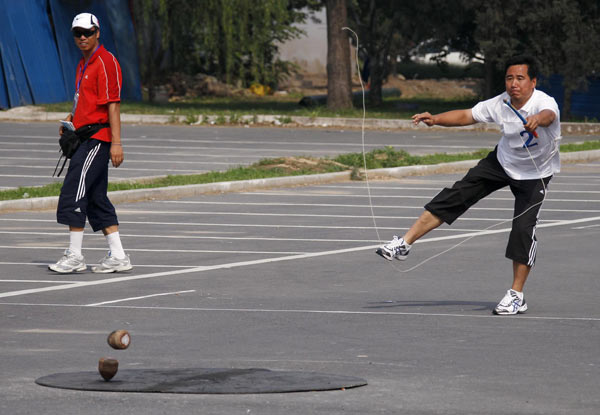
526,158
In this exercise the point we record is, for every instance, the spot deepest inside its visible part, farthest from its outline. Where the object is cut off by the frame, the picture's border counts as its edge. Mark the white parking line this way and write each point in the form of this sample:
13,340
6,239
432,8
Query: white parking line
29,176
307,215
312,144
37,264
299,194
251,149
42,281
265,261
152,169
233,238
184,202
147,161
192,251
139,298
437,189
307,311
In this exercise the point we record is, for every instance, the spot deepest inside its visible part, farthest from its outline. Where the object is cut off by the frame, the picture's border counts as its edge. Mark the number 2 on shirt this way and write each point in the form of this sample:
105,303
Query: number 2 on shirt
529,138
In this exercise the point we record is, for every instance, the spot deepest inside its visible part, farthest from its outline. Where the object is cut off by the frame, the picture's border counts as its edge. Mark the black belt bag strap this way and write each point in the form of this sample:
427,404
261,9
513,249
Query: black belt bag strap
69,141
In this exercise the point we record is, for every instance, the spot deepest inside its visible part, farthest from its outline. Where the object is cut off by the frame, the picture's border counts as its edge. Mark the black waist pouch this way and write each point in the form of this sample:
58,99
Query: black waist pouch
69,141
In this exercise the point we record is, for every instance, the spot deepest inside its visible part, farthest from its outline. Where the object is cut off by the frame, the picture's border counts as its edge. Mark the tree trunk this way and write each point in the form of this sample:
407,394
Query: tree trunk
488,88
376,82
339,92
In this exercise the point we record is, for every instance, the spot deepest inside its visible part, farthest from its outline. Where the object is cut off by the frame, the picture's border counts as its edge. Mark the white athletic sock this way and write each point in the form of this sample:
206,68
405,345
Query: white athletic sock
114,245
406,244
75,242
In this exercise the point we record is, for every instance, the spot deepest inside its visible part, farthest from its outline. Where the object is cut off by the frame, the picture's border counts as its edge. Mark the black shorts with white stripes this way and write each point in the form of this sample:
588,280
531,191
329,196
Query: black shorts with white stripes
487,177
84,191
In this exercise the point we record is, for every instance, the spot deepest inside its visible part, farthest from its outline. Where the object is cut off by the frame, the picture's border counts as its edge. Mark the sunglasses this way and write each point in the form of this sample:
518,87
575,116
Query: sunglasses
84,32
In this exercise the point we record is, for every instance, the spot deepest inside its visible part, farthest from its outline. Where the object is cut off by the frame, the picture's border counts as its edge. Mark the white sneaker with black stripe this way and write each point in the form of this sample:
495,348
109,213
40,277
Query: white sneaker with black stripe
512,303
396,248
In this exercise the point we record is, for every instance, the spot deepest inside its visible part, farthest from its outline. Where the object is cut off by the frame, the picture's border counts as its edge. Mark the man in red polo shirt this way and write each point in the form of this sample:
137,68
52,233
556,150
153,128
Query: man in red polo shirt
96,105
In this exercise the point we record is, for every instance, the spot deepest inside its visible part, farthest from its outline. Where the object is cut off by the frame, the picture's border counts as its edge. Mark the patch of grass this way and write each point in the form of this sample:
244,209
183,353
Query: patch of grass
388,157
289,166
191,119
52,189
587,145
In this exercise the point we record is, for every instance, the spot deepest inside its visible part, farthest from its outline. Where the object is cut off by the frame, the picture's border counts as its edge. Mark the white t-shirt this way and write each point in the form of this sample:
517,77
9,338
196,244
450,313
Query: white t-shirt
541,156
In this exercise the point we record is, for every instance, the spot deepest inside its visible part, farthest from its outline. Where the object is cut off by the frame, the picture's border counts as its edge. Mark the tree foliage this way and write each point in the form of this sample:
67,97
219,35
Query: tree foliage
379,25
235,40
390,29
564,35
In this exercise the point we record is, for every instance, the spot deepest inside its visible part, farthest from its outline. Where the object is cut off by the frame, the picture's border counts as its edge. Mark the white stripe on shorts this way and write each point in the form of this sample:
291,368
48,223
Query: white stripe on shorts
86,166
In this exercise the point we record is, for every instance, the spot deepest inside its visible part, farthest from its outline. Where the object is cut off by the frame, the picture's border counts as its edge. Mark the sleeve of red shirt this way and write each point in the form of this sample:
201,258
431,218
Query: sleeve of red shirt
109,80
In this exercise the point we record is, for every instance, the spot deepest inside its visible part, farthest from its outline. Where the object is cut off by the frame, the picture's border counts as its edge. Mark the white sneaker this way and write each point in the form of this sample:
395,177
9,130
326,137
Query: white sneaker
396,248
110,264
512,303
70,262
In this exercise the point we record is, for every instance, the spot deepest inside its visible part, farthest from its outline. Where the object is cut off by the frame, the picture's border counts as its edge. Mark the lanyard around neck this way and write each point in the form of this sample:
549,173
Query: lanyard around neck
82,71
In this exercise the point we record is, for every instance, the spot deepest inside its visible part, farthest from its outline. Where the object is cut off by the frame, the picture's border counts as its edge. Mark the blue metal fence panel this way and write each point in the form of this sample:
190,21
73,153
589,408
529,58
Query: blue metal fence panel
585,103
35,42
3,92
119,16
15,81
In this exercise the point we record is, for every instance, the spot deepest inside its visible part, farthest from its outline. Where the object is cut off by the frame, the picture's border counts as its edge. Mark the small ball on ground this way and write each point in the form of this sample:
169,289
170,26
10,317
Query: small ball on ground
108,367
119,339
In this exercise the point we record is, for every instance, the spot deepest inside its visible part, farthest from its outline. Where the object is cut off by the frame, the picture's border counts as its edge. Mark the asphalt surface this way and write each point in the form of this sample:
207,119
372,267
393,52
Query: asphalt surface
29,151
287,279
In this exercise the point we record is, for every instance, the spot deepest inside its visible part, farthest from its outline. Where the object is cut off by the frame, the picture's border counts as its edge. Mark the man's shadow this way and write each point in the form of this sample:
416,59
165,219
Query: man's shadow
471,305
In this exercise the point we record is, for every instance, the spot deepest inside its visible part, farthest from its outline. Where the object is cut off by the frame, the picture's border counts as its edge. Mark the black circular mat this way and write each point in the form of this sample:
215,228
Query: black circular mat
200,380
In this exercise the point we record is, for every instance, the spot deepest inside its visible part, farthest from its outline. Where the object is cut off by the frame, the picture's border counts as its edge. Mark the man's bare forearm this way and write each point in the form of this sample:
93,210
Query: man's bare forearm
454,118
114,119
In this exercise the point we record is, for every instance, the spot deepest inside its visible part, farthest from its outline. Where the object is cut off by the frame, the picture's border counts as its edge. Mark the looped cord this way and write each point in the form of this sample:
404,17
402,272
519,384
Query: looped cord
369,188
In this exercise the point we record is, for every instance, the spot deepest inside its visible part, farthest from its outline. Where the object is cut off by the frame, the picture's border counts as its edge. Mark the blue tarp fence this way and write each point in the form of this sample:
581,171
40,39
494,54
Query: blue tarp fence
38,56
585,104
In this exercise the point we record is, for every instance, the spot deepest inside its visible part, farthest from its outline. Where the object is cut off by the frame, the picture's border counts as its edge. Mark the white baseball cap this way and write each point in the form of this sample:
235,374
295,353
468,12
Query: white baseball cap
85,21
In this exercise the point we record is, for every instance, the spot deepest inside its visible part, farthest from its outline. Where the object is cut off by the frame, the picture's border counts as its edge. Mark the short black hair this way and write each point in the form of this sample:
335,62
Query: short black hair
530,61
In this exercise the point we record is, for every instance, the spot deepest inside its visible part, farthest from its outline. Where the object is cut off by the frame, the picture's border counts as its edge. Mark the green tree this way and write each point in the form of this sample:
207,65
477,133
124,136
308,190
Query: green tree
564,35
377,23
234,40
389,29
151,19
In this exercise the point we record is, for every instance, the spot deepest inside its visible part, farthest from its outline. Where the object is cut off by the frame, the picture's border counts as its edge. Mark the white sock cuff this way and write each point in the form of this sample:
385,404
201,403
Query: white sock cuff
75,242
114,245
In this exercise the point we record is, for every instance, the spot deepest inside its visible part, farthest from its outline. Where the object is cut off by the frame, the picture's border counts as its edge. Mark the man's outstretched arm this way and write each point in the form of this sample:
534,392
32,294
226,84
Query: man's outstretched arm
454,118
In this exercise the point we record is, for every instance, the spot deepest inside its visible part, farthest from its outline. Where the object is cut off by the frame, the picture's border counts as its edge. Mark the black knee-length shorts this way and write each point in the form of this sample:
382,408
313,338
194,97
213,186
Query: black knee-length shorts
487,177
84,191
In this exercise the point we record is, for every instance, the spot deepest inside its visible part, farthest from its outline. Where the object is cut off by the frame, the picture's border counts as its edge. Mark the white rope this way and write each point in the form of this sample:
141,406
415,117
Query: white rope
369,188
366,171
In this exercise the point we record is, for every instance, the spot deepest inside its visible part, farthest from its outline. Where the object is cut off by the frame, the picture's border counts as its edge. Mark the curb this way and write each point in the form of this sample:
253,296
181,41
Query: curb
29,113
178,192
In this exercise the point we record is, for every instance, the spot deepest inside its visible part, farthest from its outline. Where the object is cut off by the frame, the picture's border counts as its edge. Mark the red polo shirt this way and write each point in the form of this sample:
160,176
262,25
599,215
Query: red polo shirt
100,84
